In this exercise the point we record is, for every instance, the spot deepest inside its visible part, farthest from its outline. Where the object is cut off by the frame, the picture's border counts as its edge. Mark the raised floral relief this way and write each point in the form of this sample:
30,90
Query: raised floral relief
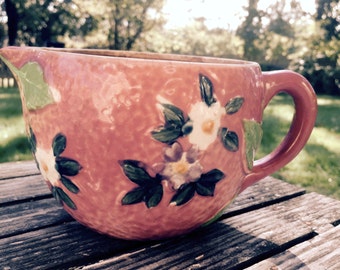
202,125
149,189
56,169
181,168
182,171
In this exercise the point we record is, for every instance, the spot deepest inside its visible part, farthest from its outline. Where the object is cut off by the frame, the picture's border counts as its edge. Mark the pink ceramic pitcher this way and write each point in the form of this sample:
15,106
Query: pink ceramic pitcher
148,146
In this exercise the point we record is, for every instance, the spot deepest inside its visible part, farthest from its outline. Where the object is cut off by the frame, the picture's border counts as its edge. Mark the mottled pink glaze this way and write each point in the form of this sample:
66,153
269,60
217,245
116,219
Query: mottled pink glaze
108,108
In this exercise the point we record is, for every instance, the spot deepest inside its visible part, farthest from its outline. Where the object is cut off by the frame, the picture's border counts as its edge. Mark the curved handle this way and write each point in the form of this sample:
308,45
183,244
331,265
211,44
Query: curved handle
302,124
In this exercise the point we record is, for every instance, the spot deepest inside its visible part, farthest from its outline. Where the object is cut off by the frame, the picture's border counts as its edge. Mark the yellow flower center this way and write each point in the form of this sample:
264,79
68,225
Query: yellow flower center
208,126
44,167
180,167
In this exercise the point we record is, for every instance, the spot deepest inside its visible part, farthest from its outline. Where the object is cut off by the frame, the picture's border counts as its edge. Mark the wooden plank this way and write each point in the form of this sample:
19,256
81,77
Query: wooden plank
218,247
225,244
70,244
239,241
17,169
265,192
32,215
321,252
23,188
314,210
65,235
58,247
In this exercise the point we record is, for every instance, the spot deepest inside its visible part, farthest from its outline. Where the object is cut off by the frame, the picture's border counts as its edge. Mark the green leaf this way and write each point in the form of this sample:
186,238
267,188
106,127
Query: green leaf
134,170
173,115
35,89
229,140
154,196
59,144
207,90
234,105
167,134
174,122
134,196
185,193
253,136
67,166
206,184
150,189
56,195
62,197
212,176
69,184
205,188
151,195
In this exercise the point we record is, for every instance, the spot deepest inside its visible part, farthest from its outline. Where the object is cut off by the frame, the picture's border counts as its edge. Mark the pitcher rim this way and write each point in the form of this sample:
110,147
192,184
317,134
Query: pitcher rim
142,55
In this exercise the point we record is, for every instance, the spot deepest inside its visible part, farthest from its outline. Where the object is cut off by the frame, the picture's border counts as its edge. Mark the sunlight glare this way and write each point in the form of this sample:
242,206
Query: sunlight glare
218,13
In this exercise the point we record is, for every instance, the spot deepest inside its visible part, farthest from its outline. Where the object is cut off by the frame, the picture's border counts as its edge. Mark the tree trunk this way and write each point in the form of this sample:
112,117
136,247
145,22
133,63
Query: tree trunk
12,15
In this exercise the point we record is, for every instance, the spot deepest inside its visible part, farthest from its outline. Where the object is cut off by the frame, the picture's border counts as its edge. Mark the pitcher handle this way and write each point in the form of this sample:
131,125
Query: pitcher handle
305,104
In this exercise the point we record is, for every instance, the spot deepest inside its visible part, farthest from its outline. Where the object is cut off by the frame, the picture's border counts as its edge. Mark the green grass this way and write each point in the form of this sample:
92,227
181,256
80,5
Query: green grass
13,142
316,168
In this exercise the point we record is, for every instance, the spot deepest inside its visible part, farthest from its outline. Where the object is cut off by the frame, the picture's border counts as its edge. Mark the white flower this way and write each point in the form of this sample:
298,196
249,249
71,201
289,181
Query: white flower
46,163
206,123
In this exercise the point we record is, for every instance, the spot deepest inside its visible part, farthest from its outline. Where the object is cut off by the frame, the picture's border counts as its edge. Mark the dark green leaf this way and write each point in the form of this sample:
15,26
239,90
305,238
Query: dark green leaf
207,90
134,196
205,189
212,176
229,139
134,170
69,184
33,141
154,196
56,195
187,128
173,115
59,144
167,134
184,194
67,166
234,105
65,198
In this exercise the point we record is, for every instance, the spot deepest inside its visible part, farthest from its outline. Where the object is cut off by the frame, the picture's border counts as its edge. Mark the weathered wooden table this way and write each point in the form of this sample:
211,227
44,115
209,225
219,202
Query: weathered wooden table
271,225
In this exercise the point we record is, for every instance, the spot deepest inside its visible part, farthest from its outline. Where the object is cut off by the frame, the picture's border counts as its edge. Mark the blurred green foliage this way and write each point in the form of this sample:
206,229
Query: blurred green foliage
316,168
14,145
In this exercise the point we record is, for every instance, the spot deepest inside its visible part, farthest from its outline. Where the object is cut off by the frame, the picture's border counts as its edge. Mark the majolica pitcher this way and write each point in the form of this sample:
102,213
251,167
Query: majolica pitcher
148,146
